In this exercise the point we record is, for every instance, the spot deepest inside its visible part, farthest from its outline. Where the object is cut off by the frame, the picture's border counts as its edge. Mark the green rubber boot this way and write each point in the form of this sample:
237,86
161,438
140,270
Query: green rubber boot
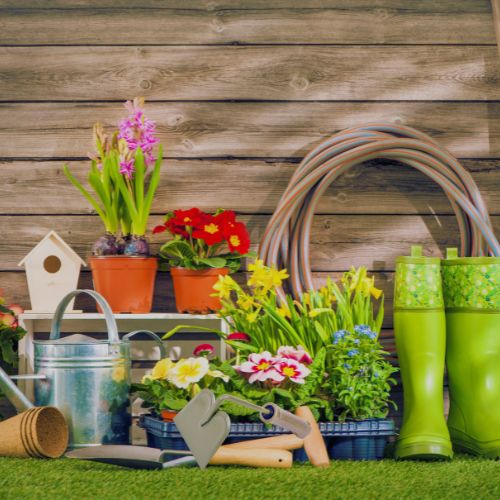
471,289
420,331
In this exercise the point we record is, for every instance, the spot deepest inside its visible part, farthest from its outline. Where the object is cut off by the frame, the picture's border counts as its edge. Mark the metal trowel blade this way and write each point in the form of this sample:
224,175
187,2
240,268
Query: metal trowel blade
135,457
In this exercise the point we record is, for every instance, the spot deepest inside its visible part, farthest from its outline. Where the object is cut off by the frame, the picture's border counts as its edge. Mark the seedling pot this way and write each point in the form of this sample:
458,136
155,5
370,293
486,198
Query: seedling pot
127,283
193,289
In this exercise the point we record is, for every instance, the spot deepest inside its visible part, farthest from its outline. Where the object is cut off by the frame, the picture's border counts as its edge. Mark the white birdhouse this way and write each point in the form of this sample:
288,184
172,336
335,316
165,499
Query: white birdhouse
52,268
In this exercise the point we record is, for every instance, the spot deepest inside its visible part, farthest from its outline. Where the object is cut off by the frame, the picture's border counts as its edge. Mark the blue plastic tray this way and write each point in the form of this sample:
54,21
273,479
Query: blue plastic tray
363,440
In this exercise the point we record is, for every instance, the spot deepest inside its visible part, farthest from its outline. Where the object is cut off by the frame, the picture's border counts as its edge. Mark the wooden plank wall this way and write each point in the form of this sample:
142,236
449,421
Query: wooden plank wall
241,90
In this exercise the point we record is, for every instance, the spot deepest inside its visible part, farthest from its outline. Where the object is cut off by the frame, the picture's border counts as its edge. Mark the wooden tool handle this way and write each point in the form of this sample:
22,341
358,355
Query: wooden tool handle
252,458
314,443
285,442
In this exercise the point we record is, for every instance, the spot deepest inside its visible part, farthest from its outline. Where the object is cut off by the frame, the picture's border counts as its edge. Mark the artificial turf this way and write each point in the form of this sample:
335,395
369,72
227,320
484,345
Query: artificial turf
465,477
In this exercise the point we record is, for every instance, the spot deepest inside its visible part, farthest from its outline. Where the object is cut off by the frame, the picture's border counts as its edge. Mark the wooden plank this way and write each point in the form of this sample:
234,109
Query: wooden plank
337,241
15,291
295,72
330,25
250,186
446,6
244,129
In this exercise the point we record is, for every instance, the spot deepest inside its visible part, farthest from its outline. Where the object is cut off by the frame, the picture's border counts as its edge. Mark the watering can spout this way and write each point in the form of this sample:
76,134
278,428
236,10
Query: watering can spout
14,395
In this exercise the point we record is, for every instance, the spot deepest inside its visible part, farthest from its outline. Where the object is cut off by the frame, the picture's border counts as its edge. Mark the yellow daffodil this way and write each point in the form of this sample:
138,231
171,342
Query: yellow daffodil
284,311
268,279
367,282
224,286
327,295
161,370
189,371
307,299
252,316
247,302
218,374
258,265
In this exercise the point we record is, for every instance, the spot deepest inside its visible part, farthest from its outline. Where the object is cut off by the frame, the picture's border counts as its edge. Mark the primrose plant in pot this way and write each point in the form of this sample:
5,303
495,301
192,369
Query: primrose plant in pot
122,268
203,247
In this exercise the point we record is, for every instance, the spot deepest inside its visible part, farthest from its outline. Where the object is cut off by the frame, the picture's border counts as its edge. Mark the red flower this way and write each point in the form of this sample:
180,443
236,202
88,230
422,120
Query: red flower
203,350
175,228
209,230
188,217
237,238
159,229
226,218
242,337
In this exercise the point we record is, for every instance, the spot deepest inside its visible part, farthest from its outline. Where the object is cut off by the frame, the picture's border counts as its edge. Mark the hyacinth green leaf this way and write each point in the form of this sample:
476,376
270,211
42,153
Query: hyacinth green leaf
96,206
140,171
126,196
106,176
98,187
153,184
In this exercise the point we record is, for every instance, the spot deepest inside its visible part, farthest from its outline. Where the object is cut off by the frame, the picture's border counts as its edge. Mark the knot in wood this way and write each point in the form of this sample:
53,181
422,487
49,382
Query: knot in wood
145,84
299,83
217,24
174,120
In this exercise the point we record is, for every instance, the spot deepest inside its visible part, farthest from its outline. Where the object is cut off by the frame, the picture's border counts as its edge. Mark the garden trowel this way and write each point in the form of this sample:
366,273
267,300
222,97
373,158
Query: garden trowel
204,427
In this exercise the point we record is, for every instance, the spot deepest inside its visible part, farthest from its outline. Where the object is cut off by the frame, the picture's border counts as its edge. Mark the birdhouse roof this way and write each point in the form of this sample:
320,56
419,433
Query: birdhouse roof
61,244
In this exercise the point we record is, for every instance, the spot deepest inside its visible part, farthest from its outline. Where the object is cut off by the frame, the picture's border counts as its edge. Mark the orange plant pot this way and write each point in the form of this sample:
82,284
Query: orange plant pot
193,289
127,283
169,415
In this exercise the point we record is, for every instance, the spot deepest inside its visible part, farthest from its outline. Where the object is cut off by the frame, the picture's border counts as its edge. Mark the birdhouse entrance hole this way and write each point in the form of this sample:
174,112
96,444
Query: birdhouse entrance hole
52,264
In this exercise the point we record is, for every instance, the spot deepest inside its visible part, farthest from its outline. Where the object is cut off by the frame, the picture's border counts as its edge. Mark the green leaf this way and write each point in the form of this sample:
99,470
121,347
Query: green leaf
153,184
169,402
216,262
180,249
315,378
96,206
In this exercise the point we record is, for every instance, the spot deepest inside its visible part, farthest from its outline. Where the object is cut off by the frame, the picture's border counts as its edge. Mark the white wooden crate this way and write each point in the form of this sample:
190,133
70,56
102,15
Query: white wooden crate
141,350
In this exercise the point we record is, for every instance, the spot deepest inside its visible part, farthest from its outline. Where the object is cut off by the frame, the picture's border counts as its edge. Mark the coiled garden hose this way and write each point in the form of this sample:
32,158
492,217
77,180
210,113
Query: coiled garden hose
286,239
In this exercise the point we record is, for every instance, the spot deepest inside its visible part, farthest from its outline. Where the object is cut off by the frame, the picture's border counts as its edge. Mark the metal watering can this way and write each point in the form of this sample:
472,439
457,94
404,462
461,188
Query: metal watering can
87,379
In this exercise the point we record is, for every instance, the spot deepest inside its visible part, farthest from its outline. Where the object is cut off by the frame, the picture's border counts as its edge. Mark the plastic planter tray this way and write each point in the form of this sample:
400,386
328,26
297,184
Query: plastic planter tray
351,440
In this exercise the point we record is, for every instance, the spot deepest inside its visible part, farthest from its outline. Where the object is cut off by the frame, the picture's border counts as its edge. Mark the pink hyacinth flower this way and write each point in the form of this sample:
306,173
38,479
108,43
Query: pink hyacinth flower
126,167
298,354
292,369
262,367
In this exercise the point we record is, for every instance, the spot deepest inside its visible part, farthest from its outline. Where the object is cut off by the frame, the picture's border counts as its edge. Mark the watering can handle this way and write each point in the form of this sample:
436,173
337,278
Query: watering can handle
163,352
55,331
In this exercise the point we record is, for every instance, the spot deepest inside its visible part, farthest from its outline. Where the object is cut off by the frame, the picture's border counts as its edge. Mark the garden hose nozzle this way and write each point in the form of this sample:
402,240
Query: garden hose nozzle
420,331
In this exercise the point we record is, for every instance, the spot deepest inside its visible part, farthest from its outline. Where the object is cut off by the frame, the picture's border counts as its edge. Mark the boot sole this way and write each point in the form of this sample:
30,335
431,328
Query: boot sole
423,451
493,454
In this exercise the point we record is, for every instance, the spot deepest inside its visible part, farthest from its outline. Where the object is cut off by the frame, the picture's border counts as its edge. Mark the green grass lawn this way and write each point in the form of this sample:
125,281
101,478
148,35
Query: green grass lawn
463,478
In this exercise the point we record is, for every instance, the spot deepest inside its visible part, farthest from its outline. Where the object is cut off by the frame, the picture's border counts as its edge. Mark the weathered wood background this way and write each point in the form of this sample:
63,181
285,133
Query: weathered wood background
241,91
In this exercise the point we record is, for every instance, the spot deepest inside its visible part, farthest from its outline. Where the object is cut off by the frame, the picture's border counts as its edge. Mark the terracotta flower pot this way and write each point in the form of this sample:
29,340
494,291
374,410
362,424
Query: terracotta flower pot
169,415
193,289
127,283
